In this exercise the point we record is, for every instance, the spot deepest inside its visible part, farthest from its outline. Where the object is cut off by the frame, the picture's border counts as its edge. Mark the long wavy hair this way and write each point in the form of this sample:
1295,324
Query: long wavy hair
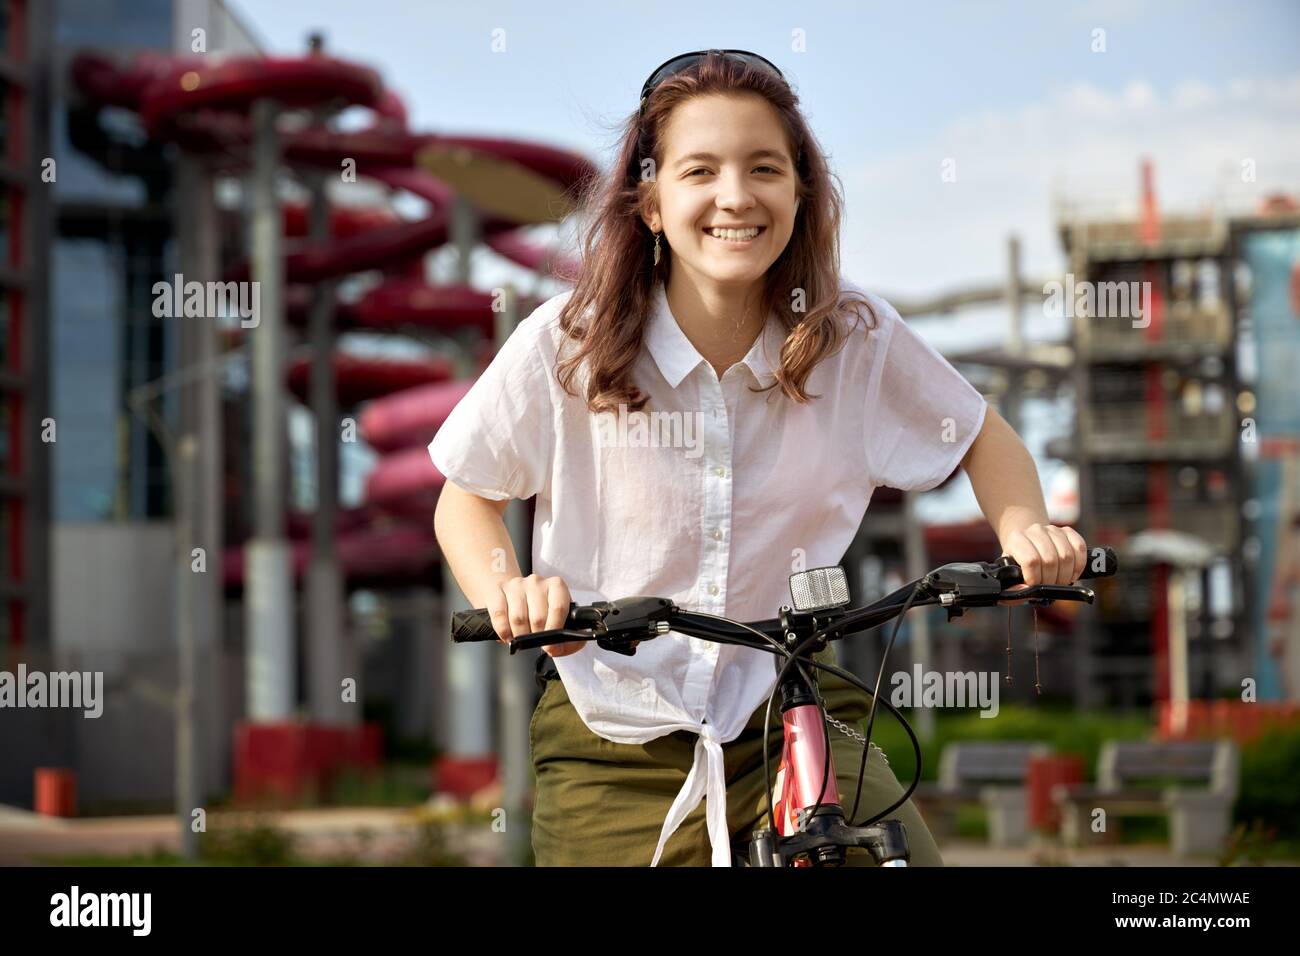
610,305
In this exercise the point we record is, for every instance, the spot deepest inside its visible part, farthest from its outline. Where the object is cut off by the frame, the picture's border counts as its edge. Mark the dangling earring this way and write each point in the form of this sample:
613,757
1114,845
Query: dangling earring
657,252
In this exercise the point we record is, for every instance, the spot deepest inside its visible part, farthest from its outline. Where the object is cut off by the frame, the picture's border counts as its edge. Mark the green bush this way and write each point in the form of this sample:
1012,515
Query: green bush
1270,784
1267,810
431,847
257,843
1064,730
392,785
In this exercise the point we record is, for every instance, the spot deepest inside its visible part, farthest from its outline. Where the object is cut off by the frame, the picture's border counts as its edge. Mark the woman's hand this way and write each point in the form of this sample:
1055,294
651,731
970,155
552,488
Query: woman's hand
522,606
1047,554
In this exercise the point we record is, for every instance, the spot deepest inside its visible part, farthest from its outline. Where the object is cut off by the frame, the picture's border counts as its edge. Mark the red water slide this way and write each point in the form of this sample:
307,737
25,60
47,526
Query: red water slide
203,104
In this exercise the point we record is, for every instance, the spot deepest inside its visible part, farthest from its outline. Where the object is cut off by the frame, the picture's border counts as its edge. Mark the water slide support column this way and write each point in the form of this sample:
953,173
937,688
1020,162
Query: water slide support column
469,666
201,757
328,657
516,672
918,621
268,587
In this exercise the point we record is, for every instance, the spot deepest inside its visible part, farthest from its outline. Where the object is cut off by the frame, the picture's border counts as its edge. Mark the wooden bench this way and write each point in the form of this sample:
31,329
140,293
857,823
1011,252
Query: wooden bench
992,773
1194,783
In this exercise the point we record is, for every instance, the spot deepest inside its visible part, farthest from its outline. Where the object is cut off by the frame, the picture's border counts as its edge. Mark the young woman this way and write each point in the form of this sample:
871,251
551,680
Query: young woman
708,410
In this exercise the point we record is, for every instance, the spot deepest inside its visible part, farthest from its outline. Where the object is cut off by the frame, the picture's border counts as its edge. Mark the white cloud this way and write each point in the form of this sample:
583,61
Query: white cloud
910,232
1140,96
1193,95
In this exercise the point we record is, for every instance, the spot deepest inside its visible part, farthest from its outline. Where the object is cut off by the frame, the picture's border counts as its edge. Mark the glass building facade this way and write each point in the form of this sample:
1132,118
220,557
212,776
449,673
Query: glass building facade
87,226
114,238
24,217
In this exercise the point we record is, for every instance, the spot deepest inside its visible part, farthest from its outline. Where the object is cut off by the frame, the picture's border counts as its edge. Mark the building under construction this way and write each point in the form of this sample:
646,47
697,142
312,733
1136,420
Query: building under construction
1165,432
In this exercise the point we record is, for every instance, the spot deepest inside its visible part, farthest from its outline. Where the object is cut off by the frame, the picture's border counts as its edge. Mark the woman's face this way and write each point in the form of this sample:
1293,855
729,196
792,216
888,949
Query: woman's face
745,179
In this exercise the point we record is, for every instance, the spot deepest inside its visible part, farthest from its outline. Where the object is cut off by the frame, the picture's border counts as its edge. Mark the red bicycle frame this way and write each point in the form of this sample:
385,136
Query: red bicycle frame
804,764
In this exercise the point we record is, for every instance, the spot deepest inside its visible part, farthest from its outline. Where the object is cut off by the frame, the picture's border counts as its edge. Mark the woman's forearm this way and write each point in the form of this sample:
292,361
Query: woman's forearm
474,542
1005,479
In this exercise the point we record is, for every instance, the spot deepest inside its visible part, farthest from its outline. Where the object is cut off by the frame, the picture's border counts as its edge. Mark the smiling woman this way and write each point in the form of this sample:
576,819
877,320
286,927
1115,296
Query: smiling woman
710,293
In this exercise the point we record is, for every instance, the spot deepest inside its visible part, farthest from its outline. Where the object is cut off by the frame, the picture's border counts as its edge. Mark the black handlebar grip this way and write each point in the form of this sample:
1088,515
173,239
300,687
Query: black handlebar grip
1101,563
475,625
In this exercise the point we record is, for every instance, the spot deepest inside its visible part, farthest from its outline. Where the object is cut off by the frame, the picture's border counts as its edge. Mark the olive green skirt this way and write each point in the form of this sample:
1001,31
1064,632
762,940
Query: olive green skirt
599,803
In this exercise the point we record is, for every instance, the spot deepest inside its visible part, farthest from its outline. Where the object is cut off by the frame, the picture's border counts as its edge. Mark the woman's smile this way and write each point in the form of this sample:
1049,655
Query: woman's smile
736,239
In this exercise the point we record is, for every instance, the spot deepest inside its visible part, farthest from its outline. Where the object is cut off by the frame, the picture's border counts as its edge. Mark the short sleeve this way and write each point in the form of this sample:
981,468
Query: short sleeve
497,441
921,415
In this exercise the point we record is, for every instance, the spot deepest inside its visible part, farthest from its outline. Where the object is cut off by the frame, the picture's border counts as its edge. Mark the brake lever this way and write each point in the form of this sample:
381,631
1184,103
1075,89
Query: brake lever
1045,593
962,586
635,619
619,644
611,644
557,636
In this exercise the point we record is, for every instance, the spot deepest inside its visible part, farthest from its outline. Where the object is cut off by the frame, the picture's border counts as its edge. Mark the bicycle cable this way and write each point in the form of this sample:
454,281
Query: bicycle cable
792,657
907,728
912,590
780,649
871,720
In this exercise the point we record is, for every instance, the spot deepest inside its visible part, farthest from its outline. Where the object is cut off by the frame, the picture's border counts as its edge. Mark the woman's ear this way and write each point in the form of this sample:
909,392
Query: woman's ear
649,219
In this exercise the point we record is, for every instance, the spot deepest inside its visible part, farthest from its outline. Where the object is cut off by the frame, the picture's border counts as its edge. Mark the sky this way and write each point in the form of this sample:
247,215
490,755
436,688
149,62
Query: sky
1028,101
950,126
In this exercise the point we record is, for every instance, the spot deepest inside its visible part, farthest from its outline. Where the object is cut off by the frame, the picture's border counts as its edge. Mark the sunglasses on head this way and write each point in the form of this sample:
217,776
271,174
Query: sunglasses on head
683,61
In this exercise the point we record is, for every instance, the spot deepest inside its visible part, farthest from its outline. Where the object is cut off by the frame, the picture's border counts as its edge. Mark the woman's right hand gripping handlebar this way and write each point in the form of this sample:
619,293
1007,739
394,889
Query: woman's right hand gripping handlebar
520,606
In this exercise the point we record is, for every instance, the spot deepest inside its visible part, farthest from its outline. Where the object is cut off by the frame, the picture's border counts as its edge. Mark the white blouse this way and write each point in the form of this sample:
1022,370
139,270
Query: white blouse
712,505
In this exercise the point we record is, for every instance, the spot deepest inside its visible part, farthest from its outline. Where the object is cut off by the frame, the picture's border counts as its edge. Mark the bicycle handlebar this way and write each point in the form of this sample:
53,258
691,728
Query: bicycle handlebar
614,625
619,625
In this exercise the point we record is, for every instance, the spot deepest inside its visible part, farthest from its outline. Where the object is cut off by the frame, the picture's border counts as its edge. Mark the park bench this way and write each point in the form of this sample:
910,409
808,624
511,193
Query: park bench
992,773
1193,783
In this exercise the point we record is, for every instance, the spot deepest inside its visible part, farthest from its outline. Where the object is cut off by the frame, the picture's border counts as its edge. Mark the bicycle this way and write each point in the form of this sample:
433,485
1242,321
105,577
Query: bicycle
806,821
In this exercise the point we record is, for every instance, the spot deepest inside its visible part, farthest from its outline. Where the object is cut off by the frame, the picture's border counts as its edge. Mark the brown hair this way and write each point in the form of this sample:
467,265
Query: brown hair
617,282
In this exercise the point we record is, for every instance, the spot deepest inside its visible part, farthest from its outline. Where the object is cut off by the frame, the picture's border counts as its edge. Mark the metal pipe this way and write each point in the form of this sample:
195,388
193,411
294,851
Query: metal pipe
469,668
327,656
1011,404
918,623
268,584
188,797
515,683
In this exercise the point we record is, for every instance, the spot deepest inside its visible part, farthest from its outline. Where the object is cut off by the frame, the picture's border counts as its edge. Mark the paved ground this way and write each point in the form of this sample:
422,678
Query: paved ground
966,853
367,833
380,835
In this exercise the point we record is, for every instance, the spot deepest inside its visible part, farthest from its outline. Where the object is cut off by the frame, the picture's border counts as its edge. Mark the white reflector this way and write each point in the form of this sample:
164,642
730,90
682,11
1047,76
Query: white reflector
819,588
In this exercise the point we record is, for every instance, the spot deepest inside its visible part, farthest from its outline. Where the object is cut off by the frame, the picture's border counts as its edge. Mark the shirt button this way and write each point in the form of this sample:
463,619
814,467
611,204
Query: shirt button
713,589
719,471
717,535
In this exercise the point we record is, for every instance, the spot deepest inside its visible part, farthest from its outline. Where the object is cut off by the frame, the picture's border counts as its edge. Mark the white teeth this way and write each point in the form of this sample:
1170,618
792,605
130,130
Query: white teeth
735,235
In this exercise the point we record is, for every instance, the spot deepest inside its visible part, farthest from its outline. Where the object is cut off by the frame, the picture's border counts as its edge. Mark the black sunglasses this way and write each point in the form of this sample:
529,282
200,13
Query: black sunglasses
681,62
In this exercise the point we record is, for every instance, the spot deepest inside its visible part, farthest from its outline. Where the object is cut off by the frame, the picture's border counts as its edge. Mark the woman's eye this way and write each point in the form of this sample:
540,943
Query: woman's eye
702,169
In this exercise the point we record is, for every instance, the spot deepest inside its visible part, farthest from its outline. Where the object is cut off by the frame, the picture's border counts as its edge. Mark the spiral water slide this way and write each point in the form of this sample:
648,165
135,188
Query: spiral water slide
202,105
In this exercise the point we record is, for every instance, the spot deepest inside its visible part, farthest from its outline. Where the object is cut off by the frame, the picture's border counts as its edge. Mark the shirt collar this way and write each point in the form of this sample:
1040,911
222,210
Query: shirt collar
677,357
